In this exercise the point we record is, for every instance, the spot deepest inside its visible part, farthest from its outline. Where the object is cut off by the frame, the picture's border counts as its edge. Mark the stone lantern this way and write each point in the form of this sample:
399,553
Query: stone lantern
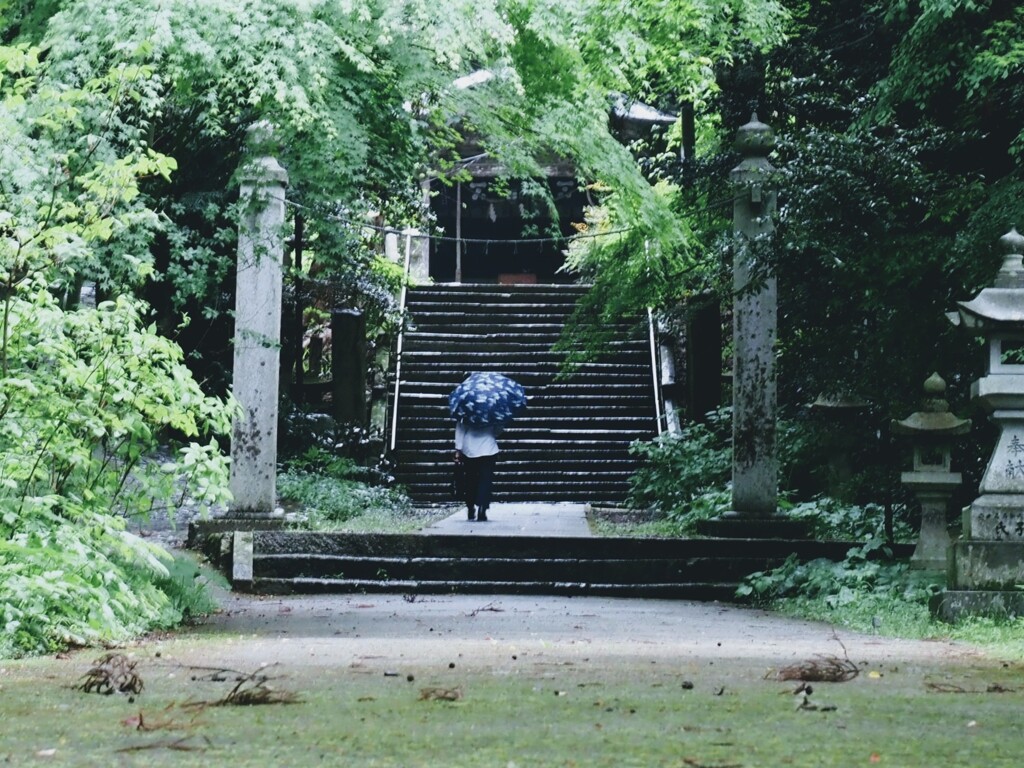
931,480
987,563
842,416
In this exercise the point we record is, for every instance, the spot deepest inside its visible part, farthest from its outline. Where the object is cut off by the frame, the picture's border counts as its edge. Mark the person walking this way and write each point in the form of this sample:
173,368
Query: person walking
482,405
476,448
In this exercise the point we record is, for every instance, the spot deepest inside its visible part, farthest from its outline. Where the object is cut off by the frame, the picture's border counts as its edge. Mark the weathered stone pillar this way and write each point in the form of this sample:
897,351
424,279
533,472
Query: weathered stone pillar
755,300
257,332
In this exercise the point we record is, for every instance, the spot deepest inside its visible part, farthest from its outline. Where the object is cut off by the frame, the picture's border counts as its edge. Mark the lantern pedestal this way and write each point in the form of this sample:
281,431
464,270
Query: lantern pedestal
933,490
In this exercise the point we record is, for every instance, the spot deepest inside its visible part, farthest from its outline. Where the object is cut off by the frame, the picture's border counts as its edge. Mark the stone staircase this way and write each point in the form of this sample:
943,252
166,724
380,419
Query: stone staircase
696,569
572,442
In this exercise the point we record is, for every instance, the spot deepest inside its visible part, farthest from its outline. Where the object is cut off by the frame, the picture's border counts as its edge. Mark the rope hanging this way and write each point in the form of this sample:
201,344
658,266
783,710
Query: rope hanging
447,239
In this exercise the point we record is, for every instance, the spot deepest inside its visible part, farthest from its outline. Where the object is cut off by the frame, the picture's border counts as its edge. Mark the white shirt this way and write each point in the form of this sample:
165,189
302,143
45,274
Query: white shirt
475,440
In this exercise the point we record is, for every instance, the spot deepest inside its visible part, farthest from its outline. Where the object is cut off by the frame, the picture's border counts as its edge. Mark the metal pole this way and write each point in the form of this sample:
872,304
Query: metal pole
398,346
458,232
654,369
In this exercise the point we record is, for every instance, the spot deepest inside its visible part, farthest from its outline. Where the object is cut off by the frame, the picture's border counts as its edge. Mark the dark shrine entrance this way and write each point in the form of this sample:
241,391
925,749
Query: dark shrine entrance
496,232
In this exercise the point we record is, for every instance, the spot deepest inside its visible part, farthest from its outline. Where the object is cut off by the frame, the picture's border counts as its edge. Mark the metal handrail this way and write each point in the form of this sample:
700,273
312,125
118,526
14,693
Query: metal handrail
655,374
401,338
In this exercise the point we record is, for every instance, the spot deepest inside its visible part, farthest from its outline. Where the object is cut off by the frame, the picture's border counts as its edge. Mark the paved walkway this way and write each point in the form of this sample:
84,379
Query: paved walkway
518,520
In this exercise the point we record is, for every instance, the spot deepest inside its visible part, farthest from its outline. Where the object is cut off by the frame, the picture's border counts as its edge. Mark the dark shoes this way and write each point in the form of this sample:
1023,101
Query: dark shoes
482,517
471,513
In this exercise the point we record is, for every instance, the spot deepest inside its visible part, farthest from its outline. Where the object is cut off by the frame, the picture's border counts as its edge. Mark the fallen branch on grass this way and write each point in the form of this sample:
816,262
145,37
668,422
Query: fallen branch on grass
179,745
823,669
440,694
112,673
140,723
952,688
250,689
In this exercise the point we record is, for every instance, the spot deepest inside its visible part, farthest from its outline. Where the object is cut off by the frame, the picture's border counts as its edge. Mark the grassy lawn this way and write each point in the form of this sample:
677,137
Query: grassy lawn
519,712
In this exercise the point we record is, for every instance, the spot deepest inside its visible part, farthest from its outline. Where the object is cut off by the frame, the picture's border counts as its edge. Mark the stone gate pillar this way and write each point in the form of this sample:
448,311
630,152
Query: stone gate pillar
755,308
255,379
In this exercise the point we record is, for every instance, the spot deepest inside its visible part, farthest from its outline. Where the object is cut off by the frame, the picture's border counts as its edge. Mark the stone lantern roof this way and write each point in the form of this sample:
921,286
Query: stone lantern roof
934,419
1001,306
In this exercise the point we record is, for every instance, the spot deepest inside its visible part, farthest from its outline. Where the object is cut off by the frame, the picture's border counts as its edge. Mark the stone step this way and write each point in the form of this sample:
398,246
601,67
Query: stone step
434,411
524,436
527,376
523,474
542,405
495,317
469,291
470,568
526,431
528,458
462,357
674,591
456,340
490,307
412,545
573,441
706,569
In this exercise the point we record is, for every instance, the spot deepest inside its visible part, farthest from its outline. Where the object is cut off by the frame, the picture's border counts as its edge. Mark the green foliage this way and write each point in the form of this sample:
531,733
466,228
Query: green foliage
1004,637
665,53
678,469
327,493
961,58
829,518
685,477
86,394
866,591
188,589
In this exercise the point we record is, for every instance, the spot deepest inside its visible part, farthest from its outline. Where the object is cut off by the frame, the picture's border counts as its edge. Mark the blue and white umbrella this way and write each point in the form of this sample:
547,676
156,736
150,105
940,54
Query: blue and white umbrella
487,398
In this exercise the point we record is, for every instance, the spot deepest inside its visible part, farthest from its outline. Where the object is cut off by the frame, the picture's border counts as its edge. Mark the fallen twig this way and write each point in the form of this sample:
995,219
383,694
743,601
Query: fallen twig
180,745
489,607
140,723
440,694
697,764
250,689
822,669
953,688
224,674
112,673
827,669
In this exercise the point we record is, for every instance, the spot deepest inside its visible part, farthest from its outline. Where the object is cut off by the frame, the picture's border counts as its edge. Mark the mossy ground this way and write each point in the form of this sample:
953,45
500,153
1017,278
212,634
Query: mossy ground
529,711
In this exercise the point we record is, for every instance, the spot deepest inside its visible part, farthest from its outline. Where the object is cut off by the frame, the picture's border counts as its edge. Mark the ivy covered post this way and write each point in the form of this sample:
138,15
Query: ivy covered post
255,378
755,468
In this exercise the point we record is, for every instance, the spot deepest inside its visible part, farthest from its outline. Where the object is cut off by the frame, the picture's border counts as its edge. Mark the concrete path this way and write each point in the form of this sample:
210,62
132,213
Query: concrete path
554,520
391,631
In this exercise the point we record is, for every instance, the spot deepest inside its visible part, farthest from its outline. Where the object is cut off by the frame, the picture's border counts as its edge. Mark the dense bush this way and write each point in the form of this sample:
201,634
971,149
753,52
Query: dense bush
330,492
866,591
677,469
86,393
